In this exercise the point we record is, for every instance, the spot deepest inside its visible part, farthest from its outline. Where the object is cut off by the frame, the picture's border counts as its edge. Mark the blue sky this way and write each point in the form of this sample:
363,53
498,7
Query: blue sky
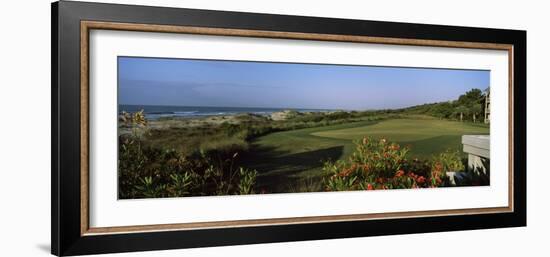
182,82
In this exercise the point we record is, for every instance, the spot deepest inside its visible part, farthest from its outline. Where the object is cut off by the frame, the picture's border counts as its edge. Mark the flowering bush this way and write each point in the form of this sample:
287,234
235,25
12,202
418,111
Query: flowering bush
444,162
378,164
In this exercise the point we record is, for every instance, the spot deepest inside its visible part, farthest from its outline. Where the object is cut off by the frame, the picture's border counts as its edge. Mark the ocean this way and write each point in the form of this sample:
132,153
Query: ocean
153,112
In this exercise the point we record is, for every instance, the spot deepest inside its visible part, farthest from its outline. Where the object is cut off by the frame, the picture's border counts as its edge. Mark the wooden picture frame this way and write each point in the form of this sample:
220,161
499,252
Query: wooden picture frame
71,25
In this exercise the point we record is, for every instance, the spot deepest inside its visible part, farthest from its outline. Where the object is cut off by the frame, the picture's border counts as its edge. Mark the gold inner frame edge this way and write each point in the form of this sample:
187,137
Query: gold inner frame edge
86,26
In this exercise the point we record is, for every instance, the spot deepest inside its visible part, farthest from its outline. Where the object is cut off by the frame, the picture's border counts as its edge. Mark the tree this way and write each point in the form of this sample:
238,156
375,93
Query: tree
469,104
461,110
475,109
472,96
442,110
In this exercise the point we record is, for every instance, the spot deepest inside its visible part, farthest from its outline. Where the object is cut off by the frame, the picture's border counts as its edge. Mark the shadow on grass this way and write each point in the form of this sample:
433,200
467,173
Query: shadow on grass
426,148
278,169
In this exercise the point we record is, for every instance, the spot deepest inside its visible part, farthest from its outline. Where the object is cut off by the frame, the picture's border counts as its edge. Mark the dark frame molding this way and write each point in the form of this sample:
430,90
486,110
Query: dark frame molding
67,238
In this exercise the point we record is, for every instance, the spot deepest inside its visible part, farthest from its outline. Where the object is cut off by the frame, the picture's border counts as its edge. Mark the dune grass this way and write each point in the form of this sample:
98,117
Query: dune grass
297,156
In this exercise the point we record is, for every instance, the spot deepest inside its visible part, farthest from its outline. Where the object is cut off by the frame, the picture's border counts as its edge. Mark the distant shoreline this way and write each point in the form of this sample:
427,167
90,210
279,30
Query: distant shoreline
154,112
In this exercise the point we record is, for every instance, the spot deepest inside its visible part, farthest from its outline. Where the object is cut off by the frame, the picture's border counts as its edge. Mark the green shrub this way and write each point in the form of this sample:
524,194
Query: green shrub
309,184
151,172
448,161
247,181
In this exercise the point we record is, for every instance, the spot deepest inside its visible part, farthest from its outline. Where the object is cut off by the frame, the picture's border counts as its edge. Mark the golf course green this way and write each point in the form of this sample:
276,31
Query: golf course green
298,155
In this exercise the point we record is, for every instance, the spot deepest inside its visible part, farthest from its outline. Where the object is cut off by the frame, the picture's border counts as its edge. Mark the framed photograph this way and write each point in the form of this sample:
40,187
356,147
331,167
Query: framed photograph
177,128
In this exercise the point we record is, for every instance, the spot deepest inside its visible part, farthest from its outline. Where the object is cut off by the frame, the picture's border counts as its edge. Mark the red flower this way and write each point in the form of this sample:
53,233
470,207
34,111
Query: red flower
370,187
399,173
421,180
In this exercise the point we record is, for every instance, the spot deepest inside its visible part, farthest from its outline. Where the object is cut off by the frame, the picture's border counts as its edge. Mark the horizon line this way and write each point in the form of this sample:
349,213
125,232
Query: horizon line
288,108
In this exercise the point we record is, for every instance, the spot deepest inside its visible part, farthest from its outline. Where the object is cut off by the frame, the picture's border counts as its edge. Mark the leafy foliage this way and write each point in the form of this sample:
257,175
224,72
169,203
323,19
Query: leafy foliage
468,107
147,172
378,164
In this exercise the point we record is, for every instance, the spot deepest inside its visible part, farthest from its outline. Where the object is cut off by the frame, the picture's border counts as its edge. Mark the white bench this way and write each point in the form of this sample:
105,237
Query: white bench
477,147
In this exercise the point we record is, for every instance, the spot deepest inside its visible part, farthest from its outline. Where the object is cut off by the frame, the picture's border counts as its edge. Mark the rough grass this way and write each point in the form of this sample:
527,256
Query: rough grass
297,156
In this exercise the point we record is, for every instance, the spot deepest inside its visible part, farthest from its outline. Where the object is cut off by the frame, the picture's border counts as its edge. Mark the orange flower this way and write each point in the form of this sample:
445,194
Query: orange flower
399,173
394,147
345,172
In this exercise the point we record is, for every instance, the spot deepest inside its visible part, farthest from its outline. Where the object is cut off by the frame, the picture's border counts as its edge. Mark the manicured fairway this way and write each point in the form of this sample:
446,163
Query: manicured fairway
424,136
298,155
